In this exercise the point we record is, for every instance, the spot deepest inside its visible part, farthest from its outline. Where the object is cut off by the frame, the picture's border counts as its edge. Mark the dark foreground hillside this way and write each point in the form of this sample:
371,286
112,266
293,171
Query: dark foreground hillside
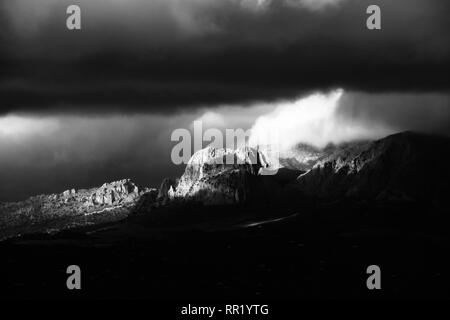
309,254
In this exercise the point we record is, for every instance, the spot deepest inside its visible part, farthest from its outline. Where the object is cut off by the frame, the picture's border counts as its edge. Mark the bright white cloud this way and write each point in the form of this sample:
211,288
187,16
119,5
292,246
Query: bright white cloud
314,120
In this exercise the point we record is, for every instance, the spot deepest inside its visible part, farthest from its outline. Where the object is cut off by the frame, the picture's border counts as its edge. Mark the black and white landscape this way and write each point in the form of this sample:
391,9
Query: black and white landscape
87,170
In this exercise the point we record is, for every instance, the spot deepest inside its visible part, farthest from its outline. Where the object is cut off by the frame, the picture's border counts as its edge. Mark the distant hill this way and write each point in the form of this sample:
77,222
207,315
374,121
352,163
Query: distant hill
73,208
402,167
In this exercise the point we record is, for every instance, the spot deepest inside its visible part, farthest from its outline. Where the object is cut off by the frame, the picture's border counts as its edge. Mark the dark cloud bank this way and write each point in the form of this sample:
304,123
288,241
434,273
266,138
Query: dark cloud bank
160,56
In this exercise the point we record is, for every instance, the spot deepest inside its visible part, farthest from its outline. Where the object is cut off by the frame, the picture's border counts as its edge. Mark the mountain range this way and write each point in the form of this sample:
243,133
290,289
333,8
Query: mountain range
404,168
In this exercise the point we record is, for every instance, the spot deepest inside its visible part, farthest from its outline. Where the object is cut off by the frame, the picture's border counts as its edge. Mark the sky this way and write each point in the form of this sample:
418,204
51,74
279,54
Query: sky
78,108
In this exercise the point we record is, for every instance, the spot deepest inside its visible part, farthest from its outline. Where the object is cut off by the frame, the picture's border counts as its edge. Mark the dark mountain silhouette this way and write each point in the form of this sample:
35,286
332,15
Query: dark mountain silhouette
402,167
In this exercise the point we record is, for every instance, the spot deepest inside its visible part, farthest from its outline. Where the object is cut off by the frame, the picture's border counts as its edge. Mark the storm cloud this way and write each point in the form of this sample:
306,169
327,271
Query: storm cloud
162,56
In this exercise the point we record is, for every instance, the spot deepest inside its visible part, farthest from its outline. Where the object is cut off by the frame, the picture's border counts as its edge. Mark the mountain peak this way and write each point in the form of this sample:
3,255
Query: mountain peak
218,175
407,163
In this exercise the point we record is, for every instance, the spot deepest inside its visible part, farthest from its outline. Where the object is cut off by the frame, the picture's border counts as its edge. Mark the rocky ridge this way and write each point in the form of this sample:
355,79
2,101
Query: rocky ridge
304,157
402,167
115,200
216,177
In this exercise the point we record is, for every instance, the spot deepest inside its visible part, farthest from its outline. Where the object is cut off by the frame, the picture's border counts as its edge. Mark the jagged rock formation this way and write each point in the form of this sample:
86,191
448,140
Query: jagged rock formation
304,157
166,190
401,167
217,176
116,193
116,199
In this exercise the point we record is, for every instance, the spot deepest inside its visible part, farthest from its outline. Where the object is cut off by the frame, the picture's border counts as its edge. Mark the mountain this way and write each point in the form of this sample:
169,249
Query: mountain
304,157
402,167
110,202
217,177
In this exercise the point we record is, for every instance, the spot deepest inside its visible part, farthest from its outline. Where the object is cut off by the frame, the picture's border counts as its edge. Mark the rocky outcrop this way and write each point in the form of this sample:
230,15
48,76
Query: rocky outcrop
219,176
118,193
166,191
401,167
116,200
304,157
115,193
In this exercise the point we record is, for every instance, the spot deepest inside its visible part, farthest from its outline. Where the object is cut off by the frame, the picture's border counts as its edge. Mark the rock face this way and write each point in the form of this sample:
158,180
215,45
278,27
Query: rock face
115,193
117,199
219,176
166,191
304,157
401,167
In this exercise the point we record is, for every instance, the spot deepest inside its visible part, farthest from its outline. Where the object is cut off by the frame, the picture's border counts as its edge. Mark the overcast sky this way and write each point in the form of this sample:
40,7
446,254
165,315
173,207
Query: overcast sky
78,108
